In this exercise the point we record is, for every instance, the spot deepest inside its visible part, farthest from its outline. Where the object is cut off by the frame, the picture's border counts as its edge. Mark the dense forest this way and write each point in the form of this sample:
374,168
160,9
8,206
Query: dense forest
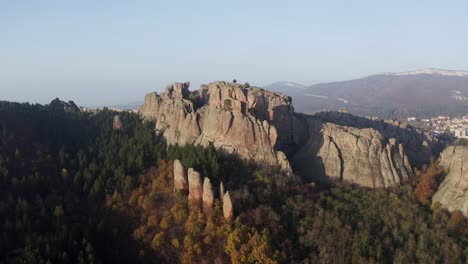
75,190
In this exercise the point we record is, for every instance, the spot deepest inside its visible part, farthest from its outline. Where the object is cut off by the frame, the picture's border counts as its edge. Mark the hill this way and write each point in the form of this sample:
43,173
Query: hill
422,93
79,188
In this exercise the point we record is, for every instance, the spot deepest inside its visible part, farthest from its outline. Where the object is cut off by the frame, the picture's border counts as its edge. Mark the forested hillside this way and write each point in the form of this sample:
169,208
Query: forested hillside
75,190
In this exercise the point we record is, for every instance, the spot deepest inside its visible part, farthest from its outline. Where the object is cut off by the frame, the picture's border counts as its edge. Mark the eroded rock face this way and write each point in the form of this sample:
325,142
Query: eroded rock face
208,194
453,191
195,185
283,161
361,156
228,212
419,146
259,125
250,122
180,179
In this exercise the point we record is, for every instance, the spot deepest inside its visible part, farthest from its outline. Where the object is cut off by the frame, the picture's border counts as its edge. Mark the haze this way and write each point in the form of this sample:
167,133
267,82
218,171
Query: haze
111,52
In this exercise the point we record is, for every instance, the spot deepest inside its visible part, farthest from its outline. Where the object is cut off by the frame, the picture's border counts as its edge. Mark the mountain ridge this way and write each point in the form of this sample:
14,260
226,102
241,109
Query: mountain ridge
424,93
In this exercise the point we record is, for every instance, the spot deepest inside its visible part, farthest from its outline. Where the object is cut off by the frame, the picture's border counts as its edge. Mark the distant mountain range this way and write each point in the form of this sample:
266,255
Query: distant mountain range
423,93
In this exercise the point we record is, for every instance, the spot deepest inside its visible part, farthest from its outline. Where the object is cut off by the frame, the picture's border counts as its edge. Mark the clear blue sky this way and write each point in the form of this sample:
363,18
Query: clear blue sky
107,52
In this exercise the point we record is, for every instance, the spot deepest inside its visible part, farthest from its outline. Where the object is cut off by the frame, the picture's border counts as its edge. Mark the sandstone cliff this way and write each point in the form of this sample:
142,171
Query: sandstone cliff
453,191
361,156
247,121
260,125
419,146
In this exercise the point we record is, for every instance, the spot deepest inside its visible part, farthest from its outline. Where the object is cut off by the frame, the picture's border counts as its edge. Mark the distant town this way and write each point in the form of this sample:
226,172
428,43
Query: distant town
458,126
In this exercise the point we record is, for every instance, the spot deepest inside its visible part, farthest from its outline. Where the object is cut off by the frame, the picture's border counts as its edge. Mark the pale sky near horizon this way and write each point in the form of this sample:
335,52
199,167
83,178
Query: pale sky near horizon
112,52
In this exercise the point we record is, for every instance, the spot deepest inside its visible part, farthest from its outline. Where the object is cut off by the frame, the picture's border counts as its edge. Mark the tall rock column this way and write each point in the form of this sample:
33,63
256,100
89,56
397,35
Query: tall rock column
227,207
195,185
208,195
117,124
180,179
221,190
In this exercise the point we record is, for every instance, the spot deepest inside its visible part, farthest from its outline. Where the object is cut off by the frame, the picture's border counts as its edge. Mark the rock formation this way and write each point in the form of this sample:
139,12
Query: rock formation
361,156
208,194
228,212
419,146
180,180
221,190
250,122
195,185
58,105
117,124
259,125
453,191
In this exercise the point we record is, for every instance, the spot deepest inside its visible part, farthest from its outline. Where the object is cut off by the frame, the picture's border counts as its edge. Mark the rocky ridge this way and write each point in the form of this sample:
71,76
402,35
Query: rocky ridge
259,125
250,122
360,156
58,105
453,191
419,146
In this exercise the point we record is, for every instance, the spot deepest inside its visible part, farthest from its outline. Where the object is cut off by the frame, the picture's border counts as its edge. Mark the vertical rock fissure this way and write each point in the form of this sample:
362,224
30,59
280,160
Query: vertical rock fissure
340,156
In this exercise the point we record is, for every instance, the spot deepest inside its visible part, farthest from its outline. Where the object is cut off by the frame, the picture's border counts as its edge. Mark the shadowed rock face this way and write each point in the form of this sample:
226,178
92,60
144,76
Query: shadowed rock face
58,105
237,119
453,191
361,156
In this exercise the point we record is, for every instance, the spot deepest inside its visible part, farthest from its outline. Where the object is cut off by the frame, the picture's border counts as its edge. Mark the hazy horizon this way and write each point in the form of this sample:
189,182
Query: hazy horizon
114,52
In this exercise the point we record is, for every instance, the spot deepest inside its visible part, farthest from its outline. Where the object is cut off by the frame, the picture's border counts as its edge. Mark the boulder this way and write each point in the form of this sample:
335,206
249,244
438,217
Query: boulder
195,185
453,191
180,179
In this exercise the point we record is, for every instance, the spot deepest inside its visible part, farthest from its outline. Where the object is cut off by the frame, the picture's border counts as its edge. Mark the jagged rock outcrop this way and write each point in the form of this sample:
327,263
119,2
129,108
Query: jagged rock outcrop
259,125
208,194
419,146
453,191
117,124
195,185
247,121
180,179
228,211
283,161
58,105
361,156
